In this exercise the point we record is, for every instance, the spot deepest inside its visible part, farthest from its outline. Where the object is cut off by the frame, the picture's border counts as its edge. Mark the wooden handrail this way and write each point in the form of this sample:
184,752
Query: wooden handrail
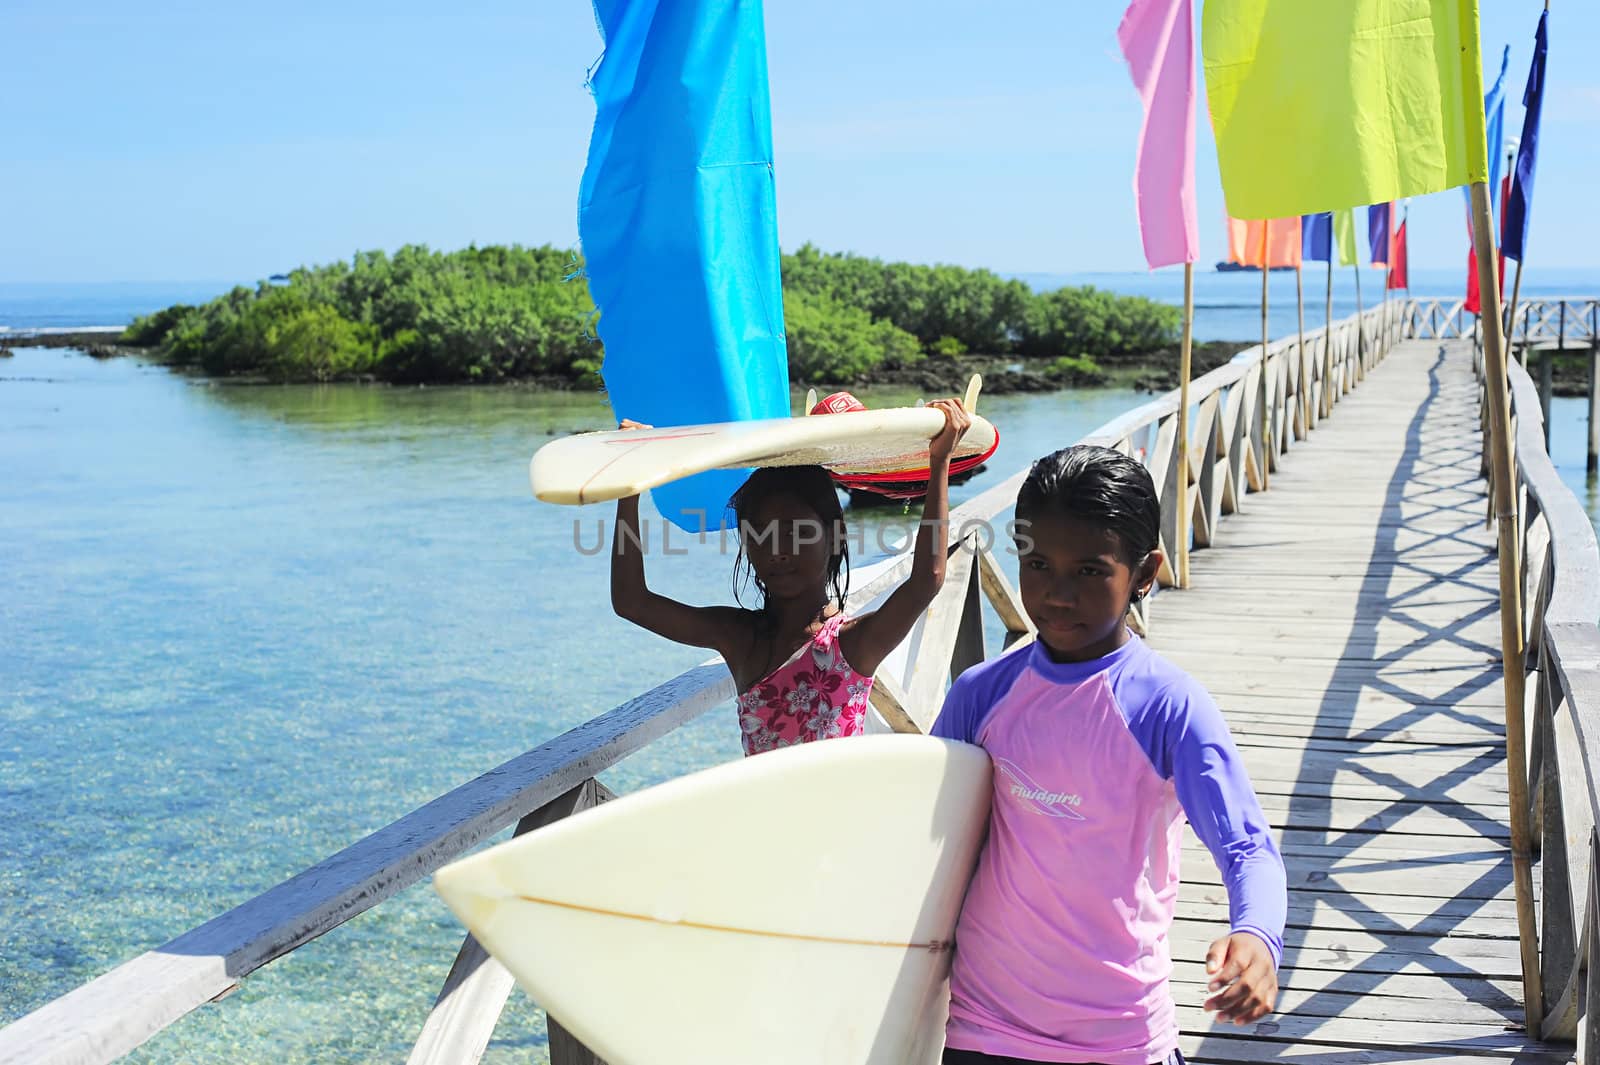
1565,319
1564,766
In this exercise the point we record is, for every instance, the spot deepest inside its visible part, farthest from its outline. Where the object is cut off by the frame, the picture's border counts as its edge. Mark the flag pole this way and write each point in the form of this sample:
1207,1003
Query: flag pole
1181,570
1383,286
1512,651
1327,334
1300,310
1388,264
1262,407
1516,286
1361,326
1511,324
1405,218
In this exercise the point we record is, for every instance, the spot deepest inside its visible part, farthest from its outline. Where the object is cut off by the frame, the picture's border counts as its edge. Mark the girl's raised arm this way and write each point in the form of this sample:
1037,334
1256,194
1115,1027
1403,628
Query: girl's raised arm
632,599
867,642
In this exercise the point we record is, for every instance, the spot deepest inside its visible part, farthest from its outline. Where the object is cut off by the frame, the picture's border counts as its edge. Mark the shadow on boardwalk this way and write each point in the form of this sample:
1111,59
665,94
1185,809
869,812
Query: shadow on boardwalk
1360,673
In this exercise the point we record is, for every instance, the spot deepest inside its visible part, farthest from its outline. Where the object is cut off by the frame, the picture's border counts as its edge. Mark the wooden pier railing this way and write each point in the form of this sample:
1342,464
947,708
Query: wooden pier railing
1566,321
1559,612
1559,608
1235,441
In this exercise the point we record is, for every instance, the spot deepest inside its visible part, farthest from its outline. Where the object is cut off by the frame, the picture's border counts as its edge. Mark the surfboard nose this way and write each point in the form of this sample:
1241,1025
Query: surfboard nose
468,892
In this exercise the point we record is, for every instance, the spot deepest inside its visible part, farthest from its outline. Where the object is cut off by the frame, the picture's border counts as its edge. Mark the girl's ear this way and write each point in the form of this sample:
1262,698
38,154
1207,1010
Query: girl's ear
1145,577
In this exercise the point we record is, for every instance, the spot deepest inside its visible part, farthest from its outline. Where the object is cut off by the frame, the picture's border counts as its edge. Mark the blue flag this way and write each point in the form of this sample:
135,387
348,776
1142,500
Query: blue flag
1521,198
1494,119
677,213
1494,113
1378,233
1316,237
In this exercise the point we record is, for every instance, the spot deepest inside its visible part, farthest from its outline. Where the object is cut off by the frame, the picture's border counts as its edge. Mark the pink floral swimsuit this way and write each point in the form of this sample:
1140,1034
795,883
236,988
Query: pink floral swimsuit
813,696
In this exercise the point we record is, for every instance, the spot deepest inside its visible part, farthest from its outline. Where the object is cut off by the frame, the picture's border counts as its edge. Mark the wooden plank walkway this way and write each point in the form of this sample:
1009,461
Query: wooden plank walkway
1347,624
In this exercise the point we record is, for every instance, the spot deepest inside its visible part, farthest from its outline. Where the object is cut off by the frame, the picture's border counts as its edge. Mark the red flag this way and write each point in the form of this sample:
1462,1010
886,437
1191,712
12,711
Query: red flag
1397,260
1472,301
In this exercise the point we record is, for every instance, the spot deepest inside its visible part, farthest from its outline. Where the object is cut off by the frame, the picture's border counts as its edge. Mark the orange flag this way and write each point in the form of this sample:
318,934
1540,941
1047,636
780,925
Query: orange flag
1282,240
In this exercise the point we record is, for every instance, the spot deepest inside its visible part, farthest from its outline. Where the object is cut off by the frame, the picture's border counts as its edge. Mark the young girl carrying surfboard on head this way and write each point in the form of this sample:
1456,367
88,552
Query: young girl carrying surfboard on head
1100,748
802,667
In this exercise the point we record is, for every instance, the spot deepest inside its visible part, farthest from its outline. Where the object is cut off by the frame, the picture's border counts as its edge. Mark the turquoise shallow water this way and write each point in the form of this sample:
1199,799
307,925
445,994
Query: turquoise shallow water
1569,442
244,626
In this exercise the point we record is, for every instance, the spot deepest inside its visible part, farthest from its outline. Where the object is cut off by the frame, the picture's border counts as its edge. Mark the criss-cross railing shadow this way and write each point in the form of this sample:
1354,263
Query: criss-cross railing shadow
1395,829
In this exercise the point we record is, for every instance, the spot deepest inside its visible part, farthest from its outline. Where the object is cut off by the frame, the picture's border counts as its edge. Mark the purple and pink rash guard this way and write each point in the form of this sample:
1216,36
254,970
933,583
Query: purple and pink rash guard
1061,949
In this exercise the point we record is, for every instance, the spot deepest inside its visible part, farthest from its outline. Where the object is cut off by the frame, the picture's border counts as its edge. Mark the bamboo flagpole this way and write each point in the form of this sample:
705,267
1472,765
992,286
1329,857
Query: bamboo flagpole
1512,651
1407,313
1327,335
1181,571
1383,283
1511,319
1361,325
1303,402
1262,407
1516,285
1405,218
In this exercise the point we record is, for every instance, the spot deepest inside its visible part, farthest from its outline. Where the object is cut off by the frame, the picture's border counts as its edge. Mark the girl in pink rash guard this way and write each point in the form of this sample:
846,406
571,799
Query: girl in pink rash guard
1101,748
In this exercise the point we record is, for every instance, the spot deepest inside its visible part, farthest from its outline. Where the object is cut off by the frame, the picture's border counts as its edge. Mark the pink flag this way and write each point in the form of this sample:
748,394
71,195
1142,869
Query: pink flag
1157,39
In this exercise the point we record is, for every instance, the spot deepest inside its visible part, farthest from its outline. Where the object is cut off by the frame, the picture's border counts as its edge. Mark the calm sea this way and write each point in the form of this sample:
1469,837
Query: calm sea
244,626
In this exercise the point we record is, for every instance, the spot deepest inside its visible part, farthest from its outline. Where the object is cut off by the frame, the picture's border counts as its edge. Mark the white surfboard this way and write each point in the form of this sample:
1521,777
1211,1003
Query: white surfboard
594,467
795,906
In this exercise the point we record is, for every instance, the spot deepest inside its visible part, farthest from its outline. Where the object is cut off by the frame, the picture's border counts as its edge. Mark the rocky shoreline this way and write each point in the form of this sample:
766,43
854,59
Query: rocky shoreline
1154,372
934,375
96,343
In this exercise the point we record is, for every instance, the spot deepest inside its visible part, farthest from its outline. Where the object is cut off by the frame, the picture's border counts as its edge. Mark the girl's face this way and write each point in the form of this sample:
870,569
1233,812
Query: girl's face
1076,585
789,548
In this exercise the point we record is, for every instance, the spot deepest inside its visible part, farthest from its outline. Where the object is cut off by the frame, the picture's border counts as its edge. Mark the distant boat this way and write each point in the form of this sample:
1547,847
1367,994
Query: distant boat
1233,268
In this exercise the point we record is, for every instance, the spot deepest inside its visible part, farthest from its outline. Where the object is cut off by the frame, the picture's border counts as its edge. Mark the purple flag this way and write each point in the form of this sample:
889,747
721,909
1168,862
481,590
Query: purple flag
1380,235
1515,220
1316,237
1157,40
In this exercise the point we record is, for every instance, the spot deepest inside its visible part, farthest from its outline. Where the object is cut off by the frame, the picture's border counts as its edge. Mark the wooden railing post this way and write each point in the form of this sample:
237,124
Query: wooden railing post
1592,460
1207,473
935,651
1004,598
463,1018
969,649
1547,385
1590,987
1163,462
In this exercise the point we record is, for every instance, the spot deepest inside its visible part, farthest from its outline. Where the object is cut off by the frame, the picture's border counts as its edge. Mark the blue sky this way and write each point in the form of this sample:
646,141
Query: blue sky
193,142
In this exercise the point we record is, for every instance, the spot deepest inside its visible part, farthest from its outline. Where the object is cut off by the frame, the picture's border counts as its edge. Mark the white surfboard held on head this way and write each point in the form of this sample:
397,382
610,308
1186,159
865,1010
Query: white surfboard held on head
594,467
796,906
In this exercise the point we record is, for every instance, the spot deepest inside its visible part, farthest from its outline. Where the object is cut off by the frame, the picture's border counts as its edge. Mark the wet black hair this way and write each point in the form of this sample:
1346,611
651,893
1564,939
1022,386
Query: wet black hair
1099,486
811,485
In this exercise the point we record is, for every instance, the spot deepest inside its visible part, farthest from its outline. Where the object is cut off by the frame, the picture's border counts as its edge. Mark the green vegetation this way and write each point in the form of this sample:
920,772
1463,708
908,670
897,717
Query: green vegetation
508,313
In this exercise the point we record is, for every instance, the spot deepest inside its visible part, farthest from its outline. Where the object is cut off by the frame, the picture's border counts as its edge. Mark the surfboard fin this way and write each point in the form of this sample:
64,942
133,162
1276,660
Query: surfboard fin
970,400
811,401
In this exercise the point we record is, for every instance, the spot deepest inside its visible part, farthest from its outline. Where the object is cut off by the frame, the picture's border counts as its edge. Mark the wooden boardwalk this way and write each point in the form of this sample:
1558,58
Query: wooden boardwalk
1347,623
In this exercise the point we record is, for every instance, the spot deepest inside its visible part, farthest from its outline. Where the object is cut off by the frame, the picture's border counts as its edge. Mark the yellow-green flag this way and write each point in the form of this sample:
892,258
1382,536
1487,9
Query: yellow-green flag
1323,104
1344,235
